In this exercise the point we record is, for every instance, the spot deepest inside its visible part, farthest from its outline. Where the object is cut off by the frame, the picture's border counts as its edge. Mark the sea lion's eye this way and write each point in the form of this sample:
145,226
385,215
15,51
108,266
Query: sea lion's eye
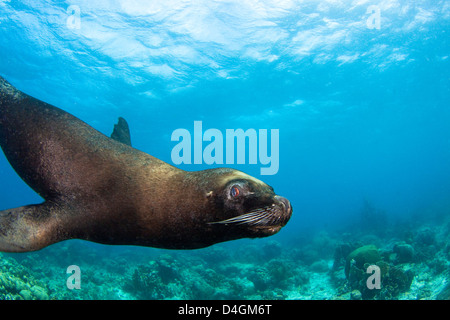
235,191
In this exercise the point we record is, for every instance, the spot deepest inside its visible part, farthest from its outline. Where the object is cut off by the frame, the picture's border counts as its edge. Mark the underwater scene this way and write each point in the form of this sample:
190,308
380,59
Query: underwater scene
225,150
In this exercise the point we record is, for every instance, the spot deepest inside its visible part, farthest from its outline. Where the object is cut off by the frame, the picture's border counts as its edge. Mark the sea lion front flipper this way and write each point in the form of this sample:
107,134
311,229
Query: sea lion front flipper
30,228
121,132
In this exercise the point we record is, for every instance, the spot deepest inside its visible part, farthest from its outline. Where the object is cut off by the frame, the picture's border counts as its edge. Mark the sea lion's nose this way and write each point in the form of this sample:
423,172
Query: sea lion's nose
286,205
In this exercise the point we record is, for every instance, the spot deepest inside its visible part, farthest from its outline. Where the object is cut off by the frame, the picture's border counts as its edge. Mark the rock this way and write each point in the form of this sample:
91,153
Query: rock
320,266
279,271
400,279
248,288
147,283
26,294
167,268
405,253
425,237
272,250
355,295
260,277
39,293
340,254
362,255
444,294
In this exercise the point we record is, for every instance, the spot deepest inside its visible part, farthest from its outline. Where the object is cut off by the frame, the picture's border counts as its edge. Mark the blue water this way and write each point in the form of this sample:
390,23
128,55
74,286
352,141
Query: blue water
363,110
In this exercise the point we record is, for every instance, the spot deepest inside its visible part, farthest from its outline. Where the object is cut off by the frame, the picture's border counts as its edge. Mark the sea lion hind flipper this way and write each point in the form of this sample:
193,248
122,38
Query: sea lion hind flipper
28,228
121,132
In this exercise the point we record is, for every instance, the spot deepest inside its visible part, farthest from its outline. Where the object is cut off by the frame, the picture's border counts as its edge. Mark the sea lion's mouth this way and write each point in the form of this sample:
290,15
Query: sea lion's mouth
275,215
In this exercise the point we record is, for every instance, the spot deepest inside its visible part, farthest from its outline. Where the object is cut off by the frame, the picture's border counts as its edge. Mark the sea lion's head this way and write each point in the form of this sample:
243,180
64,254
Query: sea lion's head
245,207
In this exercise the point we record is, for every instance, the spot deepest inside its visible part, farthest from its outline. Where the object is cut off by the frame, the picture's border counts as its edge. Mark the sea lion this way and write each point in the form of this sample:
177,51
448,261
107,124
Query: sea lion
100,189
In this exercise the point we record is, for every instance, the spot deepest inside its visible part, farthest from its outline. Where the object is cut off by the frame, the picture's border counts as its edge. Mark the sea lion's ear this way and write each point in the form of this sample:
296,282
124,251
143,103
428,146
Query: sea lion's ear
209,194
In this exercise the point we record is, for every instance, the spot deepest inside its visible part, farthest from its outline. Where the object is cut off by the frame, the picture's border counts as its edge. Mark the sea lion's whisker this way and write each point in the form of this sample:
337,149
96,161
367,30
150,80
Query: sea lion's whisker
263,219
254,217
239,219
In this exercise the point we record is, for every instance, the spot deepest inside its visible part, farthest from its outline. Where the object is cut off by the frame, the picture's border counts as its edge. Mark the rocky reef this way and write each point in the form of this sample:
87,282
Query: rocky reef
17,283
360,265
412,260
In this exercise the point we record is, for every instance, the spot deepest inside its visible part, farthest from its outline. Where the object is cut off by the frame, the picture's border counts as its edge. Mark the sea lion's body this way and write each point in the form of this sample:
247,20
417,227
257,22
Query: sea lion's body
102,190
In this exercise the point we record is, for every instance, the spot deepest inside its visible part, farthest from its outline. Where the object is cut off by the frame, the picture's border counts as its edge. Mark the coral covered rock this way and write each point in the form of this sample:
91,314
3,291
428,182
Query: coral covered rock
444,294
355,295
320,266
404,253
17,284
359,257
426,236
